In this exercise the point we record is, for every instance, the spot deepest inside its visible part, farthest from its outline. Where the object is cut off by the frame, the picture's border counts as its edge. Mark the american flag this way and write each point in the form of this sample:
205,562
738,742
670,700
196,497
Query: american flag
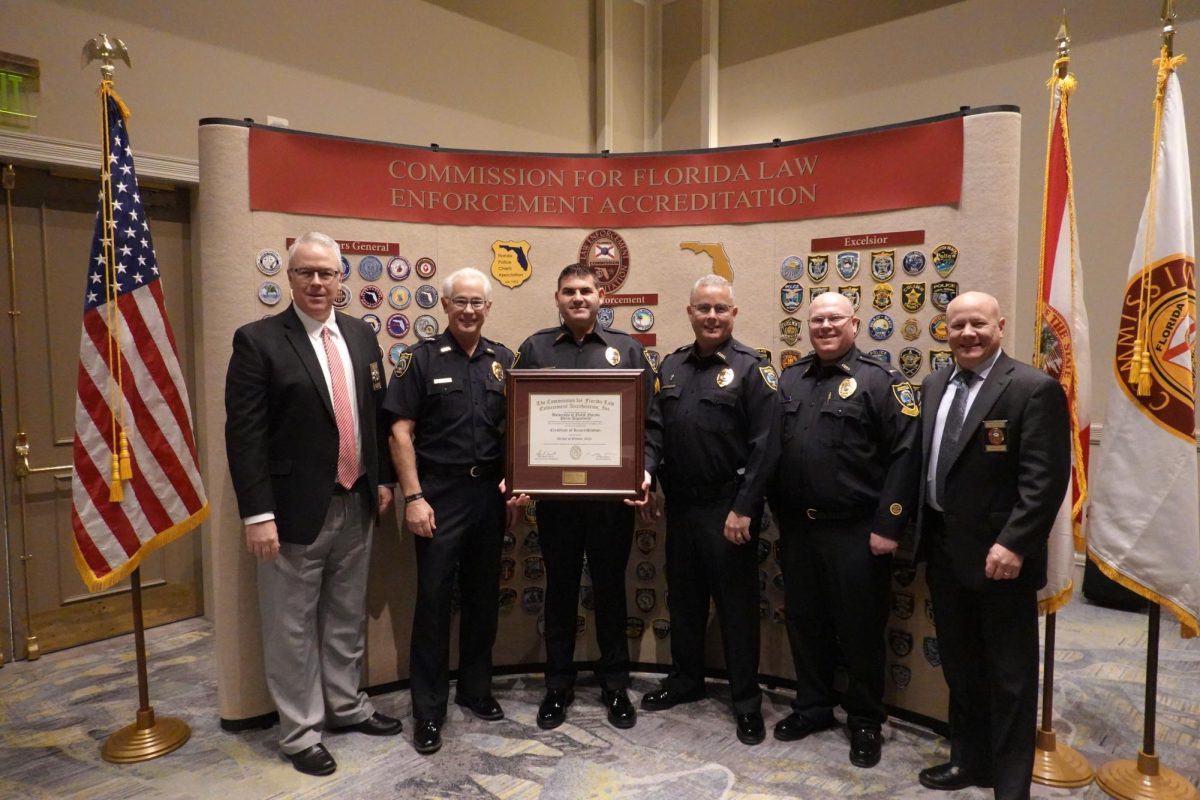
130,389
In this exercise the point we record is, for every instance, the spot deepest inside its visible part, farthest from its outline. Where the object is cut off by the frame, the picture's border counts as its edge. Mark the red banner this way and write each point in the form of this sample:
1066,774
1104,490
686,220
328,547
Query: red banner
900,167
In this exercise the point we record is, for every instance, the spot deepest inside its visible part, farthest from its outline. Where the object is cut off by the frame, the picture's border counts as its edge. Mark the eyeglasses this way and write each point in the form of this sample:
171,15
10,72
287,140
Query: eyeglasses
835,320
474,302
307,274
704,309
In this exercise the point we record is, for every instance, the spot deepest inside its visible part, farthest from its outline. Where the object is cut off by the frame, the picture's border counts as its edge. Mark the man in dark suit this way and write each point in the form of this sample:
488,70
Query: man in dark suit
997,465
308,456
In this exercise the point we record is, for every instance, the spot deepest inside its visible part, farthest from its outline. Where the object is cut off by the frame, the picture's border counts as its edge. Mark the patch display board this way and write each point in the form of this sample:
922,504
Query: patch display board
898,218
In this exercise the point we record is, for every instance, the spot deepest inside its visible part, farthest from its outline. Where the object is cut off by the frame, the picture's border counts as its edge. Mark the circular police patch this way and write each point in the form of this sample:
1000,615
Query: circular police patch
426,267
343,297
371,296
374,321
397,326
426,326
399,297
881,327
268,262
426,295
345,268
269,293
938,329
642,319
791,268
370,268
914,262
398,268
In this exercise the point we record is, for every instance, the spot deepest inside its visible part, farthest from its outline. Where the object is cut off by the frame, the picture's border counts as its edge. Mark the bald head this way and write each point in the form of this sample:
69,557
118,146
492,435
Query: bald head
832,326
975,328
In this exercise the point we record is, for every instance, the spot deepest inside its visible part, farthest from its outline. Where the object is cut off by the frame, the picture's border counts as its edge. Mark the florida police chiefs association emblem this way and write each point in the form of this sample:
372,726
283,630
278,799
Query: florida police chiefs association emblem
511,265
608,256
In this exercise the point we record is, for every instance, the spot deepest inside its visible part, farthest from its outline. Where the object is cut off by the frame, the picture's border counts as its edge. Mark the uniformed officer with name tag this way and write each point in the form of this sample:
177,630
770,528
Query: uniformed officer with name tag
847,482
570,529
712,439
447,400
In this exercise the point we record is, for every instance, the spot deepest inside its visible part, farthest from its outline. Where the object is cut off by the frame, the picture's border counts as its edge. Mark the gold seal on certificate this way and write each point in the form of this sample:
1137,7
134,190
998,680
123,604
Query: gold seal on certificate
575,432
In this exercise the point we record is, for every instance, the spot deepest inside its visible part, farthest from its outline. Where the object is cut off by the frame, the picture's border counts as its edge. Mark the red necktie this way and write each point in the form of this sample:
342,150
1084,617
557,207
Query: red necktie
347,472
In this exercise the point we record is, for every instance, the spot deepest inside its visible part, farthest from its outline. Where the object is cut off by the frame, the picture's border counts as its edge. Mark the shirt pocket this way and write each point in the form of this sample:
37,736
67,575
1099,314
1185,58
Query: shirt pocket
790,409
843,424
447,396
717,411
494,405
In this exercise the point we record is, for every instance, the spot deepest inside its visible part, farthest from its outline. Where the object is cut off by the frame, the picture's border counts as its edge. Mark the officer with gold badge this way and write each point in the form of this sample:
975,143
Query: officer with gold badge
712,439
447,402
601,530
845,487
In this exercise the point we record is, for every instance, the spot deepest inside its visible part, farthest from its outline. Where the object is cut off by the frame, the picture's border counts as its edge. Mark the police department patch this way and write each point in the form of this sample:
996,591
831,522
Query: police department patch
370,296
847,265
881,327
268,262
533,598
907,400
646,571
345,267
269,293
397,326
374,321
652,358
945,258
901,675
426,295
426,326
938,329
398,268
942,292
764,354
343,297
606,315
882,296
910,362
642,320
815,291
791,268
769,377
899,642
929,646
883,264
399,297
789,357
662,628
402,363
852,293
911,329
426,268
912,297
818,267
395,351
879,354
370,268
789,331
791,295
634,627
940,359
914,262
645,599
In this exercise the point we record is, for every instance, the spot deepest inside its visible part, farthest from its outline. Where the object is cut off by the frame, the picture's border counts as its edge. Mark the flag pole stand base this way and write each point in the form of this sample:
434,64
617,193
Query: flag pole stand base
145,739
1143,779
1056,764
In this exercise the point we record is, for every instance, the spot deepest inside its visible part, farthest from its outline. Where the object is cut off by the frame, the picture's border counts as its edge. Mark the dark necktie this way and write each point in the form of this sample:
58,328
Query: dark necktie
952,430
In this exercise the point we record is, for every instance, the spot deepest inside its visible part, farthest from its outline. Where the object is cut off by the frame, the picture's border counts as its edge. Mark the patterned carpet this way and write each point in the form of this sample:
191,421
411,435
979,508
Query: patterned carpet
56,712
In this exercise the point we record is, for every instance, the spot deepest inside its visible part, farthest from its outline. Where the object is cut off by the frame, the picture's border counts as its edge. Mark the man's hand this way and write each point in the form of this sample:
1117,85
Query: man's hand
881,545
512,508
418,518
646,504
385,498
262,540
1002,564
737,528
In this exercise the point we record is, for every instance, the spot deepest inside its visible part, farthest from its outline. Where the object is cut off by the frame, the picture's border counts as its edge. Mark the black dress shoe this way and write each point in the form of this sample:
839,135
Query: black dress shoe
427,736
948,777
750,728
866,746
314,760
553,710
621,713
375,725
663,699
483,707
796,726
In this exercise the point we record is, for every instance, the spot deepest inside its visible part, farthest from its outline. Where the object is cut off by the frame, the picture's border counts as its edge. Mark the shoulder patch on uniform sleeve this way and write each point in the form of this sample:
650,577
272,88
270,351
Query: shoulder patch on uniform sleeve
769,377
649,361
516,358
402,364
906,398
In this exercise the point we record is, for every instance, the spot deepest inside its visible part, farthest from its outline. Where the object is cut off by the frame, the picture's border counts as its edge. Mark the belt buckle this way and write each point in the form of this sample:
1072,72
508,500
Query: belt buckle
473,471
811,513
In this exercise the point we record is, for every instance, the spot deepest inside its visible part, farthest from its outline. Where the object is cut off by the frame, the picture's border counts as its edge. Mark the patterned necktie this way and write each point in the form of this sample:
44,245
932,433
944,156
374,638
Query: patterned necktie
343,412
952,429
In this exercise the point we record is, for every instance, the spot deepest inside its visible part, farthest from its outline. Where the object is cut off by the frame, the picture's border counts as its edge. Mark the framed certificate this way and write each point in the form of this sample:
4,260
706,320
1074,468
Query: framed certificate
576,432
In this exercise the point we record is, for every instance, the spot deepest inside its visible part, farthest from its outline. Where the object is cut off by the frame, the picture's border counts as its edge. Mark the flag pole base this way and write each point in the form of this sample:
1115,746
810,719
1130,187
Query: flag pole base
145,739
1144,779
1056,764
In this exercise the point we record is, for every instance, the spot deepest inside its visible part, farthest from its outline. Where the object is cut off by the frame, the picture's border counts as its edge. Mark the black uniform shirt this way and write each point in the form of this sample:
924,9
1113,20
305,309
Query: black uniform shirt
556,348
715,422
851,440
456,400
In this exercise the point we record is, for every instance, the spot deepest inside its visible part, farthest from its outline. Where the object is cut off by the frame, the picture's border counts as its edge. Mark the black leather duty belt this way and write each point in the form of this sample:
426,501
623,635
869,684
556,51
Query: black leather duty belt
491,470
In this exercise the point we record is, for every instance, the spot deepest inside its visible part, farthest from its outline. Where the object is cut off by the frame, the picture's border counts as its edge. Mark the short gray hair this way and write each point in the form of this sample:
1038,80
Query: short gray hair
466,272
320,239
712,280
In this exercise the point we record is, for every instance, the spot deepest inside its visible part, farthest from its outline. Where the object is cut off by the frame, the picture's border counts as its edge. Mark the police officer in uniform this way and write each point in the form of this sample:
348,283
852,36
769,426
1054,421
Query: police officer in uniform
447,399
712,439
570,529
846,485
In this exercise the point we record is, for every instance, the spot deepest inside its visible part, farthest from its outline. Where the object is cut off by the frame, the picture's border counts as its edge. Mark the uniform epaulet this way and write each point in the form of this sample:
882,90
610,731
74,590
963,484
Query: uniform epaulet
494,343
553,330
803,362
681,348
750,351
875,362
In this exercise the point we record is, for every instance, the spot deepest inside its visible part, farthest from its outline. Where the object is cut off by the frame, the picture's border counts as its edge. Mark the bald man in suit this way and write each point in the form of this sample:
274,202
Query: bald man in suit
997,465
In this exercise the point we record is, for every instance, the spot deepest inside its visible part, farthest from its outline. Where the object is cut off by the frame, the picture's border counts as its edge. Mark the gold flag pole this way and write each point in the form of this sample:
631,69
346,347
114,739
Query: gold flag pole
1146,778
1055,763
148,737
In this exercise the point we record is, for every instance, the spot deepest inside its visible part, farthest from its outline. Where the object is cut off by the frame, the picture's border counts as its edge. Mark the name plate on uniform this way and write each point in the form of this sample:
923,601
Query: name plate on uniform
575,433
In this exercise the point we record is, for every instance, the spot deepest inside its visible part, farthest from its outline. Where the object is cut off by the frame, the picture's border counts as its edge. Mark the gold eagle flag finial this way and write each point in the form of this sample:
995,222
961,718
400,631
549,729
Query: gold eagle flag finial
107,50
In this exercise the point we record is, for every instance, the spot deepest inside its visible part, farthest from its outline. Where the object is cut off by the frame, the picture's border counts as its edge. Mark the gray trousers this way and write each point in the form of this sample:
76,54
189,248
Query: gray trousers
312,600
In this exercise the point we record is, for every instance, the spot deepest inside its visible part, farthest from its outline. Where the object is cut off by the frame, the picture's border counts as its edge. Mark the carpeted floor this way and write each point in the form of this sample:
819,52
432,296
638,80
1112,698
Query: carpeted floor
56,712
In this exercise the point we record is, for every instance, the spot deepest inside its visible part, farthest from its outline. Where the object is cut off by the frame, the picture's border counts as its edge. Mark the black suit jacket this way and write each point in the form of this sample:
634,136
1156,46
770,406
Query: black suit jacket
1008,474
280,432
